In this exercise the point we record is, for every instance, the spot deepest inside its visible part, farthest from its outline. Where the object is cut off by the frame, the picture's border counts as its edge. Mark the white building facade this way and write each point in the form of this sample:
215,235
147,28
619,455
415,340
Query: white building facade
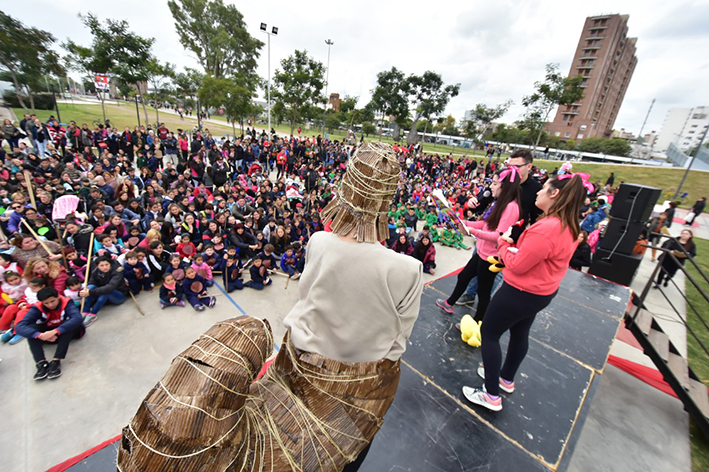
684,127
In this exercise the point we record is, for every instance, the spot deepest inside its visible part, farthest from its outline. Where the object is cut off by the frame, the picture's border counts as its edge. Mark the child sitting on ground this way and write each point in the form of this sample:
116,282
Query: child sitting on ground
77,263
17,311
203,269
7,263
288,263
13,285
268,259
231,272
73,286
425,252
109,248
136,274
259,277
171,292
186,248
195,288
211,258
176,268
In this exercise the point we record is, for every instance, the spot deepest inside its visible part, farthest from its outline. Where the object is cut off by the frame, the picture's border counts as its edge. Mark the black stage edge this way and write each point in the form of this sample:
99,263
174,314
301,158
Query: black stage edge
432,427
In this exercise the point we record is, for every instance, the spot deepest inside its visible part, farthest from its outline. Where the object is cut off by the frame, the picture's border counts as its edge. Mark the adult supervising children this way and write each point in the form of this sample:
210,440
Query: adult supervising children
503,213
532,276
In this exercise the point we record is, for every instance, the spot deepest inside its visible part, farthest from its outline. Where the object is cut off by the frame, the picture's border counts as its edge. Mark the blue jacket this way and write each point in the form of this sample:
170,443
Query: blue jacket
591,220
65,318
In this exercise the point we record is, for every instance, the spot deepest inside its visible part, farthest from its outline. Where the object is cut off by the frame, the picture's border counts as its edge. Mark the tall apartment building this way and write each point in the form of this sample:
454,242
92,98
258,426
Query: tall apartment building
684,127
605,57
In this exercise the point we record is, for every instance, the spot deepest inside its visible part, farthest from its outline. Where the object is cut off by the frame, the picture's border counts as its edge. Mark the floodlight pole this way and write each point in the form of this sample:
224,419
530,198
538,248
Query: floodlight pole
273,32
327,82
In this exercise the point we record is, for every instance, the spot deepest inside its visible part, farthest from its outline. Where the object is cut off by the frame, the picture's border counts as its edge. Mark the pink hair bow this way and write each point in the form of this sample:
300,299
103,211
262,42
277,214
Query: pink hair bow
514,170
584,180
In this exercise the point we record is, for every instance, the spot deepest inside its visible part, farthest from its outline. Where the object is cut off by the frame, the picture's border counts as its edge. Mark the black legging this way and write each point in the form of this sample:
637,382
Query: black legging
514,310
476,267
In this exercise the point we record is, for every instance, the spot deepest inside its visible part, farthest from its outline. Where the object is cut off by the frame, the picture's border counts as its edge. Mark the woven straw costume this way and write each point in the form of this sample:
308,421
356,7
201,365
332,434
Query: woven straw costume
308,413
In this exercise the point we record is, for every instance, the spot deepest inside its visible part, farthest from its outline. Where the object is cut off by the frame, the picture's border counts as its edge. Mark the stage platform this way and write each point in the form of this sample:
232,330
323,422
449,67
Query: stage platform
432,427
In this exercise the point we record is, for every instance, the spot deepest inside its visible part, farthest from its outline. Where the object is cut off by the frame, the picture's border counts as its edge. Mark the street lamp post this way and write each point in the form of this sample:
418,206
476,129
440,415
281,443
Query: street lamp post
327,82
274,32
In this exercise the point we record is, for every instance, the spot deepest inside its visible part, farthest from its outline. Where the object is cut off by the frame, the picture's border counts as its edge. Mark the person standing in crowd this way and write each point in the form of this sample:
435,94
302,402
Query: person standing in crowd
697,210
680,248
497,219
533,273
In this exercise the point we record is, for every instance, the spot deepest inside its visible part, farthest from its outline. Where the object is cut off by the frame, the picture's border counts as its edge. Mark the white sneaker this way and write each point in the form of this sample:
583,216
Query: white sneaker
504,386
480,397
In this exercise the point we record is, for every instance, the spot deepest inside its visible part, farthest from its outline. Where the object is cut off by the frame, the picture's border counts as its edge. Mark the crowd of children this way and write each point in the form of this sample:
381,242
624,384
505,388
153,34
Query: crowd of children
235,211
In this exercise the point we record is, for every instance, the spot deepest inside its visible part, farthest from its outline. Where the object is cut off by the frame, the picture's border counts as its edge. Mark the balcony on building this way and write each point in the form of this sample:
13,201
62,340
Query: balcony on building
592,38
584,68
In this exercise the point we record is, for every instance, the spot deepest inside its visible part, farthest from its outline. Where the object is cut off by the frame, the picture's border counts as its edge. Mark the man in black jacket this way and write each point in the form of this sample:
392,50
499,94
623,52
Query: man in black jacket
53,319
106,285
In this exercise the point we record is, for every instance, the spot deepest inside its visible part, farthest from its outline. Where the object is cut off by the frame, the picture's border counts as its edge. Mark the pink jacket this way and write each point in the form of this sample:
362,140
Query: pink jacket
487,239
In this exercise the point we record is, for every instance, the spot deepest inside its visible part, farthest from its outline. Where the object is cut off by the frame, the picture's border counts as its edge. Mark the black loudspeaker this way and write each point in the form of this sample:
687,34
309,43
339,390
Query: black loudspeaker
636,199
621,235
618,268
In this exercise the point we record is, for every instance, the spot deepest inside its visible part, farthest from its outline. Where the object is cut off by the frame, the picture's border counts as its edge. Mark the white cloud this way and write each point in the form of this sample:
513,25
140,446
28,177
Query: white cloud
496,50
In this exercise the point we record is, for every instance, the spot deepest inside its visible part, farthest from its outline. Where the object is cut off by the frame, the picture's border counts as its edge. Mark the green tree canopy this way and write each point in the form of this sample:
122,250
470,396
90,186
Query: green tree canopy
25,55
429,96
216,34
481,117
298,85
390,96
554,91
231,93
611,146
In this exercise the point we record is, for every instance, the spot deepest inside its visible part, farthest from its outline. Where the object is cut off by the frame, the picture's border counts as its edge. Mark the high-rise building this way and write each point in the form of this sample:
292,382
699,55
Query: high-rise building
605,57
684,127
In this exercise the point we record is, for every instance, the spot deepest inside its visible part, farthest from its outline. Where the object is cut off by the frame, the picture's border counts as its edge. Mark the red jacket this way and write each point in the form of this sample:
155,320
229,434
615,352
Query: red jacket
542,259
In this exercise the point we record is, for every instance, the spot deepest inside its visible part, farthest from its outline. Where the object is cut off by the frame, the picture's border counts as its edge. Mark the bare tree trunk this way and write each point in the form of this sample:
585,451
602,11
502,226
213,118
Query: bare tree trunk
18,89
145,111
157,113
413,136
29,94
541,129
103,105
233,127
397,132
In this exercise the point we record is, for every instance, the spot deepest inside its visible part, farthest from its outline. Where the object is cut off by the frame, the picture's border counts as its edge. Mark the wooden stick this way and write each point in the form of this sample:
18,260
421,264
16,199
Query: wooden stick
135,301
28,180
88,268
36,236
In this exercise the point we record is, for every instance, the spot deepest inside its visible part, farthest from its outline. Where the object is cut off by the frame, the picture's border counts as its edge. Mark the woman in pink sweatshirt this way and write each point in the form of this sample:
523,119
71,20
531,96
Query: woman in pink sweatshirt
503,213
533,271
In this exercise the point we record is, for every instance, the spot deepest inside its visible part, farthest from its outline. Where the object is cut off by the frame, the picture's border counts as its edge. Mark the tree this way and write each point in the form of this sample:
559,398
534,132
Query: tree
390,96
570,145
231,93
616,147
120,52
556,90
447,126
430,97
157,73
187,85
368,128
25,55
298,85
481,117
216,34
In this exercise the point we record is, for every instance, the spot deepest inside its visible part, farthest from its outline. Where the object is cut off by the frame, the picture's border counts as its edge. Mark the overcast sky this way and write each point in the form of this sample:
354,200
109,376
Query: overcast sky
496,49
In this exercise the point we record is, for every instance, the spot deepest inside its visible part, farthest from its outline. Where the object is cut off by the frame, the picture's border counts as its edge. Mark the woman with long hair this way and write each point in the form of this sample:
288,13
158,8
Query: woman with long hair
280,240
533,271
669,266
403,245
52,271
425,252
503,213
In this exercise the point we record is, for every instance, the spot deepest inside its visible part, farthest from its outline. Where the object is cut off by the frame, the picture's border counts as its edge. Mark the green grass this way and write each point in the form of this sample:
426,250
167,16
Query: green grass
698,359
663,178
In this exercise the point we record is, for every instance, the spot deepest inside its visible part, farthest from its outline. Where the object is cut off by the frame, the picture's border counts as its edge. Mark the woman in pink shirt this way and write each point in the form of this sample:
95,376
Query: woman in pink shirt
503,213
533,271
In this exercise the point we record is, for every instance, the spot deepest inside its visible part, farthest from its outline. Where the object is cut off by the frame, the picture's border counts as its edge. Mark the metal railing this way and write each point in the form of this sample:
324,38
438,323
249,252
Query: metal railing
652,282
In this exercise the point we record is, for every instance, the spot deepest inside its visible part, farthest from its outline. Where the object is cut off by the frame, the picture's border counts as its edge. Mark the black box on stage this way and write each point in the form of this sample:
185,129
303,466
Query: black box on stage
622,235
618,268
640,198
